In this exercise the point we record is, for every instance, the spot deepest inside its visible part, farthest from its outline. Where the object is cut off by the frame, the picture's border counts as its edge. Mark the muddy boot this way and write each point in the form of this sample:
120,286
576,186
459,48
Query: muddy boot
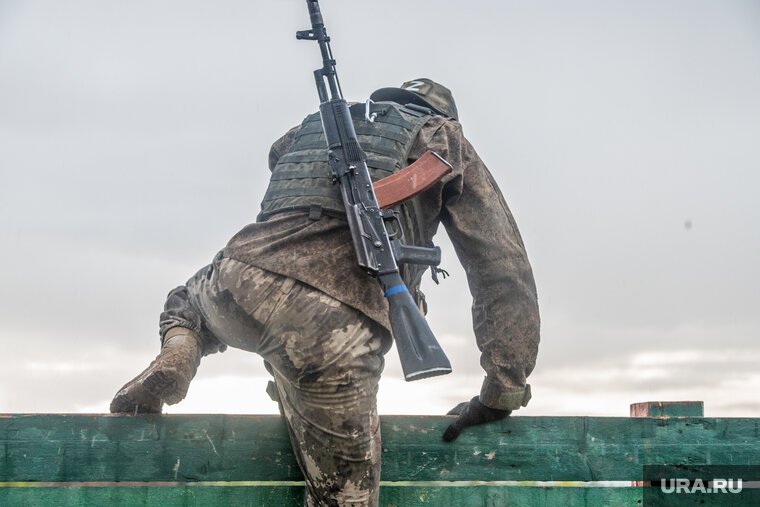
167,378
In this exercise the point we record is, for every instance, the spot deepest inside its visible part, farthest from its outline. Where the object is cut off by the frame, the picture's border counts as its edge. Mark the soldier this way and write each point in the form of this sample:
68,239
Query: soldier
288,288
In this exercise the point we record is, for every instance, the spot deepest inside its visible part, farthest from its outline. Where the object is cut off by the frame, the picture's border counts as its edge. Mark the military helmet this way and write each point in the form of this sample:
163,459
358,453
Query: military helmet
422,92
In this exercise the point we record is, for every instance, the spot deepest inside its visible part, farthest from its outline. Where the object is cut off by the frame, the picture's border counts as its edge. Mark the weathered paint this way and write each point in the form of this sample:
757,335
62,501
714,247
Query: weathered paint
247,459
292,496
668,409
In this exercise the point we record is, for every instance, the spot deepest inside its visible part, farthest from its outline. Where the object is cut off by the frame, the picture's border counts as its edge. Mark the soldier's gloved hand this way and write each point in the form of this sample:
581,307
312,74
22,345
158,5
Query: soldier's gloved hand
471,413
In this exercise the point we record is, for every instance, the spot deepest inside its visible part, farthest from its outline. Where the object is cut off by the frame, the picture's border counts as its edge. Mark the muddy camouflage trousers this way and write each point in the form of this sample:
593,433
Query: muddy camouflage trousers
326,359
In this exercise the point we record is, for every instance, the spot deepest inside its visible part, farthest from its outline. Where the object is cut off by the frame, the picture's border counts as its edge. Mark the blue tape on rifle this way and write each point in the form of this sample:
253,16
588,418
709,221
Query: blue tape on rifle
395,290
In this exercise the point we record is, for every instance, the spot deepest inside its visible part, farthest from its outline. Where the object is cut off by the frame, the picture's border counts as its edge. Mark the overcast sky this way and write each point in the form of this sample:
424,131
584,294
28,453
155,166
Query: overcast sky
624,135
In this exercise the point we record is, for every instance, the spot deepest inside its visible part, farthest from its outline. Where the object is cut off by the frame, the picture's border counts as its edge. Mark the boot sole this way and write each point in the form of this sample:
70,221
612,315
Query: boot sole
147,392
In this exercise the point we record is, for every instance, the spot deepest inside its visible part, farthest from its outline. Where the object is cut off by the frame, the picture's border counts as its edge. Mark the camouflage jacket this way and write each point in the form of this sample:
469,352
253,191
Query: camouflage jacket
475,215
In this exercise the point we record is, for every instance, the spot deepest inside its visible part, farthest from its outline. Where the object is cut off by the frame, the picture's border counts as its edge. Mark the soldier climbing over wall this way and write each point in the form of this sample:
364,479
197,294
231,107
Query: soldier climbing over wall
288,288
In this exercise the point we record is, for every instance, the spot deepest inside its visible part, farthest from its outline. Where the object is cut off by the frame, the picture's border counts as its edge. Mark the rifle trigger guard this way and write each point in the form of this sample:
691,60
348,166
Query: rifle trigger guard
391,216
369,117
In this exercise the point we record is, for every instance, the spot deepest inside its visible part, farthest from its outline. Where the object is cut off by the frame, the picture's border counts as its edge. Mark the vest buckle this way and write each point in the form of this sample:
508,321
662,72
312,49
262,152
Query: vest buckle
315,212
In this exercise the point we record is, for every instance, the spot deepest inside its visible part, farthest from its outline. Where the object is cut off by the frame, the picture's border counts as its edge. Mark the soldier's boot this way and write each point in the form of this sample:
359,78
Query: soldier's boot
167,378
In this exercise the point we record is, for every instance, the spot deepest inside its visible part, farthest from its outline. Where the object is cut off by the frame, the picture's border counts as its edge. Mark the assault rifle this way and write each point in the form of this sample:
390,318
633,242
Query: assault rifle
376,251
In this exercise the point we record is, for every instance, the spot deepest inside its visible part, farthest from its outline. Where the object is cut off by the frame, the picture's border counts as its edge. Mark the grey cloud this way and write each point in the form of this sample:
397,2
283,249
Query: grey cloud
133,141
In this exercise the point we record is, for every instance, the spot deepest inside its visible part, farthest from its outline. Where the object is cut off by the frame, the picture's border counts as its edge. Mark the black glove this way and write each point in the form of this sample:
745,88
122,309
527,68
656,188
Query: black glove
471,413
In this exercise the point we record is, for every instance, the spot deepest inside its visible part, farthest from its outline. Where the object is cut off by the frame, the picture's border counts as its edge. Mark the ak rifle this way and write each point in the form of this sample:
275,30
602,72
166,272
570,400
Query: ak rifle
378,254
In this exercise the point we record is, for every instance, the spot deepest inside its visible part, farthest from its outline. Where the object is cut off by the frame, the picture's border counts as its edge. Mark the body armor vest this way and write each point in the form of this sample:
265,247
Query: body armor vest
302,180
